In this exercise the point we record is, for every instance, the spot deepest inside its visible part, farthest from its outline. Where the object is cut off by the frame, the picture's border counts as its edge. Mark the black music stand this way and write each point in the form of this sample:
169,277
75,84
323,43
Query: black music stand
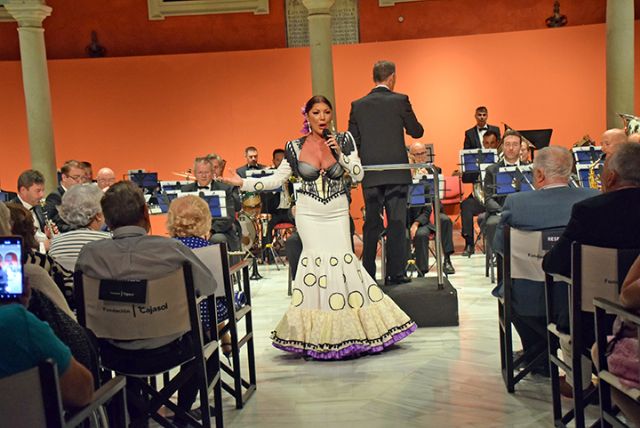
474,161
540,138
147,181
513,179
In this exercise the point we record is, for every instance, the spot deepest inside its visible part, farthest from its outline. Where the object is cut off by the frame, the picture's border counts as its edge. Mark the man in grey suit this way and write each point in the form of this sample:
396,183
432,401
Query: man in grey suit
377,123
549,206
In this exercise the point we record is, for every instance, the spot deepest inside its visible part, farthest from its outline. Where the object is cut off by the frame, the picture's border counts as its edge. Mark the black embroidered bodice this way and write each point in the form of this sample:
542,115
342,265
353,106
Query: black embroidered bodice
322,185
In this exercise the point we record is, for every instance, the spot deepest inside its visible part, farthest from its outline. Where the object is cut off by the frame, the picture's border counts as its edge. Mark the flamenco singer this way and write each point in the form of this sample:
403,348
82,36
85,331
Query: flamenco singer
337,310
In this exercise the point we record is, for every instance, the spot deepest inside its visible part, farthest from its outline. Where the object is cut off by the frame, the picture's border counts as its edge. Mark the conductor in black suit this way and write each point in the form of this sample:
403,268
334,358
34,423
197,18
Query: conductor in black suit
473,136
377,123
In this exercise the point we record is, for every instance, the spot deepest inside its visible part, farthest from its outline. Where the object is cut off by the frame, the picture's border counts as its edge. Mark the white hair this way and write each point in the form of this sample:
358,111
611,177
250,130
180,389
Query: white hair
555,161
80,204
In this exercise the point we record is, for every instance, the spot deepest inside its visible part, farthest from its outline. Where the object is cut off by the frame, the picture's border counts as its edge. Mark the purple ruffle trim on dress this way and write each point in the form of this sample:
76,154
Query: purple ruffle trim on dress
350,351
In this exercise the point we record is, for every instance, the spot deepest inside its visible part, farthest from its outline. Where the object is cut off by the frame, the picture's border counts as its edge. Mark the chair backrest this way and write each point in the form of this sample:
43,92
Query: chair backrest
212,258
31,398
599,272
130,310
452,187
526,251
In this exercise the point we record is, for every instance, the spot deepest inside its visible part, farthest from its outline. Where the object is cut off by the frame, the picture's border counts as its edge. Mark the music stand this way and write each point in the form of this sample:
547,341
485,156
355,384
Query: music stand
475,161
586,155
583,175
511,179
164,200
147,181
422,189
4,196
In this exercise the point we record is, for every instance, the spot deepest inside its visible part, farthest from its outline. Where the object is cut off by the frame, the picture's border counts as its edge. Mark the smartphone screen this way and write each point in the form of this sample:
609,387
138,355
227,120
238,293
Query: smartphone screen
11,273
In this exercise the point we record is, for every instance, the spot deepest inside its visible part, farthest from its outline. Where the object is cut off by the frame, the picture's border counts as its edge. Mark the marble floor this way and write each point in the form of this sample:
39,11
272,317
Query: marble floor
437,377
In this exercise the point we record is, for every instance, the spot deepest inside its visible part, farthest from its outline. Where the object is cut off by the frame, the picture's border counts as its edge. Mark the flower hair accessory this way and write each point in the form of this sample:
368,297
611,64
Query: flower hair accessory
306,128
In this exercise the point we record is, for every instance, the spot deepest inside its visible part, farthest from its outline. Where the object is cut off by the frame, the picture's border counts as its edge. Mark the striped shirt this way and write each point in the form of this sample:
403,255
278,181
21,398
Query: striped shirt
65,248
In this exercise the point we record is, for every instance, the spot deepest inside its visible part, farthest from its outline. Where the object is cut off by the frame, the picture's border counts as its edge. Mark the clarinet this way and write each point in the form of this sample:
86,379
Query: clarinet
47,222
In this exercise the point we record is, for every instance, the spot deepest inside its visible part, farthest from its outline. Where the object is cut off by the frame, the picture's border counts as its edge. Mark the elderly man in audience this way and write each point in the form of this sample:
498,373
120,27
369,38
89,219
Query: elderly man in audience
81,210
547,207
223,229
419,220
605,220
251,155
105,178
72,173
132,254
30,194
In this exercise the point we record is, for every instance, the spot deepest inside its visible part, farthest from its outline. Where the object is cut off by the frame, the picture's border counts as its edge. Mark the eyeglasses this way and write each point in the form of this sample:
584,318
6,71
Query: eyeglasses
420,154
76,177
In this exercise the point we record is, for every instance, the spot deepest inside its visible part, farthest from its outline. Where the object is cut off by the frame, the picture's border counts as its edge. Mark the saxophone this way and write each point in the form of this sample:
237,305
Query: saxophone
48,223
594,173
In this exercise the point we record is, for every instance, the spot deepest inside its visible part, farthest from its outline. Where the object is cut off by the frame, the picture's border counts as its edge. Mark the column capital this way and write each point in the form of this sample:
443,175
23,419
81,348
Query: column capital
318,6
28,13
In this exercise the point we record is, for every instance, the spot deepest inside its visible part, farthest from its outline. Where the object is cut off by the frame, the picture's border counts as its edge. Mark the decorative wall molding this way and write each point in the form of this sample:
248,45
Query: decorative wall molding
160,9
4,15
386,3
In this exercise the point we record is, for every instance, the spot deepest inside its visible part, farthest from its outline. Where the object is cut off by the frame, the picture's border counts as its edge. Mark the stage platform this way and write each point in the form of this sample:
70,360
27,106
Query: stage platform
425,303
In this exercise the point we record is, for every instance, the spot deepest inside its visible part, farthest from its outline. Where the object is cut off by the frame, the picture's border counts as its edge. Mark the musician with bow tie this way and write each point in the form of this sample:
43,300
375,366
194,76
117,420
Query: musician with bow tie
473,136
222,229
30,195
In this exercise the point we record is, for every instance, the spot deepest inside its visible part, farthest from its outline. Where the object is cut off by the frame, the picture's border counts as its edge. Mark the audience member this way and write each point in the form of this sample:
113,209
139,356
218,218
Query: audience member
223,229
72,173
105,178
605,220
251,155
81,210
189,221
27,341
132,254
549,206
22,225
622,352
420,224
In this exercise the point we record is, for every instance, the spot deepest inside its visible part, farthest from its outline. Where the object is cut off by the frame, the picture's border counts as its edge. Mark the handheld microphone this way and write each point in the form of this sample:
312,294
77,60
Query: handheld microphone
326,134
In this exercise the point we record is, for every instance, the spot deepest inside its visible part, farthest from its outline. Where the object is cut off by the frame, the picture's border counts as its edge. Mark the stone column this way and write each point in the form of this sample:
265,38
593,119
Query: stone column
320,44
620,61
35,77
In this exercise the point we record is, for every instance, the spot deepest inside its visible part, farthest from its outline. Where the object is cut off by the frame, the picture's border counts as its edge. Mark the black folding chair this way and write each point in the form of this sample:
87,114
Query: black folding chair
32,399
102,310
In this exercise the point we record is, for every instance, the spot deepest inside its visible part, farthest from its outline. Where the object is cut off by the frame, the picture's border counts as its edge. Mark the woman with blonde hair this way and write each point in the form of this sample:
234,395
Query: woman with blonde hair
189,221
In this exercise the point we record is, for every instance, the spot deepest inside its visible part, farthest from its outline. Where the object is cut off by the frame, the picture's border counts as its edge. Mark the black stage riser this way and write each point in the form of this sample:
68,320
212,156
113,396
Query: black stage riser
424,303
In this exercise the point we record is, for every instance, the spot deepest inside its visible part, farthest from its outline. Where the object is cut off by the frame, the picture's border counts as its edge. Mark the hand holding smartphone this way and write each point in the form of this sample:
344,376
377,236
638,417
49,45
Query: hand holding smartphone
11,271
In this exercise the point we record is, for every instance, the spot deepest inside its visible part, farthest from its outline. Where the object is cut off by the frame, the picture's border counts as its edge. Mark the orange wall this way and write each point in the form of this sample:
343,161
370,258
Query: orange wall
158,112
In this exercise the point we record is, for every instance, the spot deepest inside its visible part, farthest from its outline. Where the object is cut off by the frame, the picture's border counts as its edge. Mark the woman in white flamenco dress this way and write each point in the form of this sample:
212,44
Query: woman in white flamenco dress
337,310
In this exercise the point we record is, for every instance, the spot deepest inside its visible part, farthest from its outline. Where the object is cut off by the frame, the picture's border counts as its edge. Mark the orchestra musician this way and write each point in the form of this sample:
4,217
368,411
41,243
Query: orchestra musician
473,136
251,155
277,204
473,205
222,229
610,139
420,224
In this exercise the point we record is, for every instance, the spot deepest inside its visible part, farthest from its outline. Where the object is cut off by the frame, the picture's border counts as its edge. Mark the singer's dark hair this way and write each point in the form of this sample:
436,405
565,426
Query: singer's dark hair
315,100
